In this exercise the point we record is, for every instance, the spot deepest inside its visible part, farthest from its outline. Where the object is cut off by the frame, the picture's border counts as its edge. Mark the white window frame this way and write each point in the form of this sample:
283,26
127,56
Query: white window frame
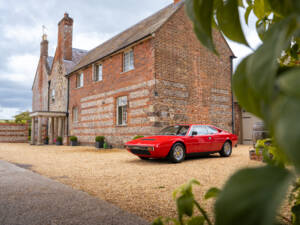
122,104
79,80
128,60
53,95
98,72
75,114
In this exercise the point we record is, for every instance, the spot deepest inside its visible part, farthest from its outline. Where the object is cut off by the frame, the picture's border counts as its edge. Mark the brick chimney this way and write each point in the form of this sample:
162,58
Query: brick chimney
65,33
44,46
176,1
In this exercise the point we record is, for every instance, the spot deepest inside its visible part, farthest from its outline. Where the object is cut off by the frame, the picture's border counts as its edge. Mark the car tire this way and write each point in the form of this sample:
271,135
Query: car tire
177,153
143,158
226,149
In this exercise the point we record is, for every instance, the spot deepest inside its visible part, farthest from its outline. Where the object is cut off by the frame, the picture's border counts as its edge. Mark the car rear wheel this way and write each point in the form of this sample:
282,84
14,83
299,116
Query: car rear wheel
177,153
226,149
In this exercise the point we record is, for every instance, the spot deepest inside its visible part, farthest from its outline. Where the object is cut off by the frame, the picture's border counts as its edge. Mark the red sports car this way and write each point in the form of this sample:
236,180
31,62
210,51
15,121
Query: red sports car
175,142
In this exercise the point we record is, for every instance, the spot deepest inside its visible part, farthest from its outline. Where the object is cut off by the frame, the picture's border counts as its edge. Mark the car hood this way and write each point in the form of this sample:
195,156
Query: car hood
153,140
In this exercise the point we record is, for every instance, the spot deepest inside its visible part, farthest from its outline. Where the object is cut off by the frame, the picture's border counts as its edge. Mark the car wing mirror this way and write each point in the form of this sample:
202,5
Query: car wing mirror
194,133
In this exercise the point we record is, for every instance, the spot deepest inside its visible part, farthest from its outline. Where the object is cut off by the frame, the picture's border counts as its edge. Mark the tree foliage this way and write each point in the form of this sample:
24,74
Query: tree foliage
23,117
266,84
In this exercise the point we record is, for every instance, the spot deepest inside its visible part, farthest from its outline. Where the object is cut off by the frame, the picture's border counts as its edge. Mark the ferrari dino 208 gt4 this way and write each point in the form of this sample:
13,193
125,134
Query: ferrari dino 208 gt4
176,142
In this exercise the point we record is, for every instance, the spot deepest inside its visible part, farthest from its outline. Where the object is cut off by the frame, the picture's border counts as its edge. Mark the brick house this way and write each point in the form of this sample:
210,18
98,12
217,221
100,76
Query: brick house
154,74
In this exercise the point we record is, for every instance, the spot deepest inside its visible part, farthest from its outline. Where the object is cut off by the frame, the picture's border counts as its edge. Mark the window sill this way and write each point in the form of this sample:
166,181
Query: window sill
121,125
98,81
78,87
127,71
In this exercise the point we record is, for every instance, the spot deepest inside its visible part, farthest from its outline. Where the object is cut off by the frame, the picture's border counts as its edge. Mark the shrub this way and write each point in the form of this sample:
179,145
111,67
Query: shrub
73,138
46,138
137,137
59,139
100,139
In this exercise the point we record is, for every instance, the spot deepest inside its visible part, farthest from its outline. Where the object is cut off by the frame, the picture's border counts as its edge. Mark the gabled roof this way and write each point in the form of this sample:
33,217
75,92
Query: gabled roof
137,32
77,55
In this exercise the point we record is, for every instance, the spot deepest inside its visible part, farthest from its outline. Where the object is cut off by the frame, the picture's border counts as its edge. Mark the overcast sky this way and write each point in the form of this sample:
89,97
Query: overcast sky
94,22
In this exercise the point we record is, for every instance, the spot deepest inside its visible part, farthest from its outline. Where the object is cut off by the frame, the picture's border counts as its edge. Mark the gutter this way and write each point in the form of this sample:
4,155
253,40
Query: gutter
232,57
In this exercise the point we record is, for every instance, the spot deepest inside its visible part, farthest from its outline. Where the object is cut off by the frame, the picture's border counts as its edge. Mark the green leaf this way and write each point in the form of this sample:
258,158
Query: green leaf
185,205
244,93
284,8
285,119
247,13
289,82
197,220
212,193
201,13
229,21
252,196
296,215
158,221
262,66
261,8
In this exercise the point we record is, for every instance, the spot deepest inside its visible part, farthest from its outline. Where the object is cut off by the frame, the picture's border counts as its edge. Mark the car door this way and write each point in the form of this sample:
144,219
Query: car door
216,138
201,142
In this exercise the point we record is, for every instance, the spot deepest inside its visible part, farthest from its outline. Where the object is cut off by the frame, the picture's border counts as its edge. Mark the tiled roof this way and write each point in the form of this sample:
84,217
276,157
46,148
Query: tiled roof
137,32
77,55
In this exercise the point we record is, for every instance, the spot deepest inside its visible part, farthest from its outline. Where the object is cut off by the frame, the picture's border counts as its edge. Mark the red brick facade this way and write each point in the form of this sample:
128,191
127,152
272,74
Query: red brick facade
13,133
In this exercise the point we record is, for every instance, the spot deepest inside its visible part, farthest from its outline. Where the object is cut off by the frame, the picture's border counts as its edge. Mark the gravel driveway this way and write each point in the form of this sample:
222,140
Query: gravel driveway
140,187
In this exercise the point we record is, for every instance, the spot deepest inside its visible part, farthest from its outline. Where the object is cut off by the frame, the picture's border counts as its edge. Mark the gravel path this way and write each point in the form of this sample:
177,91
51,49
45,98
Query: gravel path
140,187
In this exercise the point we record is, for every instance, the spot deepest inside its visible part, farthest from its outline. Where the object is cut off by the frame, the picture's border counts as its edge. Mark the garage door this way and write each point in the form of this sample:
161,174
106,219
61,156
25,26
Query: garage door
248,121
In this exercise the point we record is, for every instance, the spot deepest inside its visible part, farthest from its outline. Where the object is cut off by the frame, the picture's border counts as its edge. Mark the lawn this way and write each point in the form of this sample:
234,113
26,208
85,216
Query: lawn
140,187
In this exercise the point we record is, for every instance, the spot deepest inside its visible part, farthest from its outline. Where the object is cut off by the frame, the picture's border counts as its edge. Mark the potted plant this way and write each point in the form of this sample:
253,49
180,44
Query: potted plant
46,141
99,141
58,140
74,140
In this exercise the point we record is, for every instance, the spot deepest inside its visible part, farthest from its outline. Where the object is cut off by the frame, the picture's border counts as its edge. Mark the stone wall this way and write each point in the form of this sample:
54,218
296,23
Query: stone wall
13,133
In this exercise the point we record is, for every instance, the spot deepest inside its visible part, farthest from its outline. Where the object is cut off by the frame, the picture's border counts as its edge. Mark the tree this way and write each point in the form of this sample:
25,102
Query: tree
267,84
23,117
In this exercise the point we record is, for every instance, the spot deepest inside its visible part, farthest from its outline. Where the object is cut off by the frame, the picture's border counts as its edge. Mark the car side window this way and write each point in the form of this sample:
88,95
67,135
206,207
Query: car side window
212,130
201,130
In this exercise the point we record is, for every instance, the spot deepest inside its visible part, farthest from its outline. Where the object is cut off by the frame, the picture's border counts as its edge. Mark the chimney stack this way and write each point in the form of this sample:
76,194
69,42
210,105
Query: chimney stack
44,46
65,33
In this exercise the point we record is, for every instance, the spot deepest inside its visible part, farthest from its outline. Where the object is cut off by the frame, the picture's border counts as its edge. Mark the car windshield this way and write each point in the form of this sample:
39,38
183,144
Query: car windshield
175,130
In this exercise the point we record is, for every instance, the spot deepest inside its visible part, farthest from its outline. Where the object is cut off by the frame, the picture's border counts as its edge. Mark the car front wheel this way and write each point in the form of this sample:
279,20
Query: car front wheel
177,153
226,150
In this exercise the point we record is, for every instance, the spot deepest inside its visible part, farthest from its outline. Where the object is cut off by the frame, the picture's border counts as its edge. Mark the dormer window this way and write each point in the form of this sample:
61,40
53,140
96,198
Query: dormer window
128,61
98,72
79,80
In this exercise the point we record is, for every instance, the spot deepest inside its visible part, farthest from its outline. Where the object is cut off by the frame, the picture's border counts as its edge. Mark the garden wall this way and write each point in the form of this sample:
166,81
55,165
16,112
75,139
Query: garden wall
13,133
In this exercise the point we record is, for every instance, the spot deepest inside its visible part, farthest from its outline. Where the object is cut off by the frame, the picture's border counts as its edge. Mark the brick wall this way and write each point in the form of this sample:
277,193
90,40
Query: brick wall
193,85
13,133
96,101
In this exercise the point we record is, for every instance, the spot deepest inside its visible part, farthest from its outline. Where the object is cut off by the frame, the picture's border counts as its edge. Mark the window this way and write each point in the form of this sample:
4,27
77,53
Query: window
122,111
212,130
53,95
128,61
98,72
201,130
75,114
79,80
175,130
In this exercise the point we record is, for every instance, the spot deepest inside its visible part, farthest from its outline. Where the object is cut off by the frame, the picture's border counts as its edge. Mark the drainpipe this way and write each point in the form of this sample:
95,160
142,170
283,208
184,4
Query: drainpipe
232,57
68,101
48,106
